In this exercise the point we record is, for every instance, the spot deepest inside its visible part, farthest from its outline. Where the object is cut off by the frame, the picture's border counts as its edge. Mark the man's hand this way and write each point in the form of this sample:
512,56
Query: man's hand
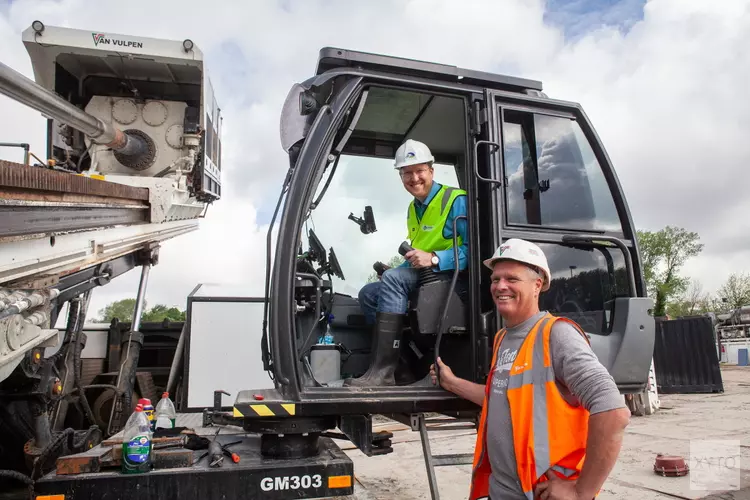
447,377
458,386
419,258
557,489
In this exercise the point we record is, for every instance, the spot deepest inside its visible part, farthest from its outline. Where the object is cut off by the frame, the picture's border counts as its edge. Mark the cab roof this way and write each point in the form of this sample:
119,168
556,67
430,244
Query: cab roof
331,58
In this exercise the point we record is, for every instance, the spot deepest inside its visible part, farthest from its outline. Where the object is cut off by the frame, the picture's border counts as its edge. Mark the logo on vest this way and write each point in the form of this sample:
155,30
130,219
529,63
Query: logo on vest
427,228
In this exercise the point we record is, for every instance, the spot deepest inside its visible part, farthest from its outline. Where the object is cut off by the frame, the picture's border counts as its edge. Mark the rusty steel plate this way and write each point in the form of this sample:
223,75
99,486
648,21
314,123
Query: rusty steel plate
17,175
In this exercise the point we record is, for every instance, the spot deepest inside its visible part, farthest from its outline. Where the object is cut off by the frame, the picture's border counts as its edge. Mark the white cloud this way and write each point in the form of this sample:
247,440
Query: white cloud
667,98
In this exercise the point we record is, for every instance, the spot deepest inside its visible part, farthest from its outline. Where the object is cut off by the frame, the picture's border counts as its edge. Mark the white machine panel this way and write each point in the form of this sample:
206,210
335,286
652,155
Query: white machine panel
224,347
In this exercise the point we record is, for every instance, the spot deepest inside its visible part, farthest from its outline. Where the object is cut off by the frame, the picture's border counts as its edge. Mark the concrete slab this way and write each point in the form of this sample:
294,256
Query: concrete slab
683,418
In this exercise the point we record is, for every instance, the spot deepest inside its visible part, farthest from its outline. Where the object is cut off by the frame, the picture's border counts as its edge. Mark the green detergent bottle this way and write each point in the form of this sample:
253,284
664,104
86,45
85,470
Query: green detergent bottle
136,443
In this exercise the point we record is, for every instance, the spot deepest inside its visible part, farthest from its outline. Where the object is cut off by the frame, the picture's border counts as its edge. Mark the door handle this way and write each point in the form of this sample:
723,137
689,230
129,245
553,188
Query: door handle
476,161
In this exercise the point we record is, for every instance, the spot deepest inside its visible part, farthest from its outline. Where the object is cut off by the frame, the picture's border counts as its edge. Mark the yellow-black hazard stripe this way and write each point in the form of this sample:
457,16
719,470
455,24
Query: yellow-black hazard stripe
266,410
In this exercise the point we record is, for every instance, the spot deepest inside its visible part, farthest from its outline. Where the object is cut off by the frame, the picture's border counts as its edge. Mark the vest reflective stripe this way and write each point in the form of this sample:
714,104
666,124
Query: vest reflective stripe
548,433
434,218
565,472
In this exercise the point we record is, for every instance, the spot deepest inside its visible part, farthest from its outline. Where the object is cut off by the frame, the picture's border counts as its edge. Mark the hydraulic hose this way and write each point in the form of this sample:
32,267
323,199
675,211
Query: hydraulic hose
16,475
77,349
39,462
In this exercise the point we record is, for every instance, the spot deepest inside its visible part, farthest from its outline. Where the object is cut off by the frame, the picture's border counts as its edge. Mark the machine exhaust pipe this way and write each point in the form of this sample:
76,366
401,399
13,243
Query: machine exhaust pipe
16,86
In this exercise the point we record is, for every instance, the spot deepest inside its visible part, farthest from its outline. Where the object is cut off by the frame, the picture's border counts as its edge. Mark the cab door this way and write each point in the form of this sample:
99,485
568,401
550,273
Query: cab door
554,185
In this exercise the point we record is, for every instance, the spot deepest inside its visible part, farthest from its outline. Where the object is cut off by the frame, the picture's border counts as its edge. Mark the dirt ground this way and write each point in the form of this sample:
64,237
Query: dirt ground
680,421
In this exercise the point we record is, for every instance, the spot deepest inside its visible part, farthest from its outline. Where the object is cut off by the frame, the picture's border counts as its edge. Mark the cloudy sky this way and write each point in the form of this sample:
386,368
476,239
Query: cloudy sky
663,81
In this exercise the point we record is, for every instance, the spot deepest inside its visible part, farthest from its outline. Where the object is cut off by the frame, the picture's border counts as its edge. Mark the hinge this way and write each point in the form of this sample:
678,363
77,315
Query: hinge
478,117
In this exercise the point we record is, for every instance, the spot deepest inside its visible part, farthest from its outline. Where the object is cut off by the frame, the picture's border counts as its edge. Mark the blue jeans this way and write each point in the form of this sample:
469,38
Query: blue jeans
390,294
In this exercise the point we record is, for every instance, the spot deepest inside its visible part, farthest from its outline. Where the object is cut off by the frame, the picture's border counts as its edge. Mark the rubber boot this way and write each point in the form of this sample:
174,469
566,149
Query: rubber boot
387,348
425,382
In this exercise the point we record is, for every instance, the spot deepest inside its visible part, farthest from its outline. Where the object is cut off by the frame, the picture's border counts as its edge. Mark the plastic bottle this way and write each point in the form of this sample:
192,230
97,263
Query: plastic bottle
136,443
327,337
165,413
148,410
133,416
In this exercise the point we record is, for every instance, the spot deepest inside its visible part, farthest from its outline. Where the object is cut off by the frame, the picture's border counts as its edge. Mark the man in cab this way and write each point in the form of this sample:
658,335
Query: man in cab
430,218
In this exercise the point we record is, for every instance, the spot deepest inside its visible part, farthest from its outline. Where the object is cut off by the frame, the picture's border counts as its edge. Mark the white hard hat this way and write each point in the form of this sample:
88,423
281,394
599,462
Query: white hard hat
413,153
525,252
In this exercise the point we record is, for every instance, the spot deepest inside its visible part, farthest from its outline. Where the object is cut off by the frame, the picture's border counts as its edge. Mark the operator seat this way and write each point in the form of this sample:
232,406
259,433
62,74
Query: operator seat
426,304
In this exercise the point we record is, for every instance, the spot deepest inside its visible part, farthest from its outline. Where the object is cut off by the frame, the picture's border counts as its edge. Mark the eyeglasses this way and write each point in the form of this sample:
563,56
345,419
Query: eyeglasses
414,173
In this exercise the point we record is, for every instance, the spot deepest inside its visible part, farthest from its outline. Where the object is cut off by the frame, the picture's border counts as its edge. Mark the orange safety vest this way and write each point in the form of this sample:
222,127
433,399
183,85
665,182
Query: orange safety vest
548,433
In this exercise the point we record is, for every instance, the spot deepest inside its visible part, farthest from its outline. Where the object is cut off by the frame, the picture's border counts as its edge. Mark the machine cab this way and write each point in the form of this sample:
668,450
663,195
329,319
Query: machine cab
532,167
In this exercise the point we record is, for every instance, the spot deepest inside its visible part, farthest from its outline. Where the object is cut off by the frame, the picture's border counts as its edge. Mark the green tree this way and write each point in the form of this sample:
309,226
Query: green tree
160,313
664,253
735,292
394,262
694,301
123,311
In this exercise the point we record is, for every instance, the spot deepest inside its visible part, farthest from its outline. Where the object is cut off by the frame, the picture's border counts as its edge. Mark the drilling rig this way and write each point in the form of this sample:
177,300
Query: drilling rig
133,158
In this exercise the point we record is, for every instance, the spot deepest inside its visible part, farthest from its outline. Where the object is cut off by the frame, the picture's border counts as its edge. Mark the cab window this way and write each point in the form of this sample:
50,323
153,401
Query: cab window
359,182
552,177
584,283
379,122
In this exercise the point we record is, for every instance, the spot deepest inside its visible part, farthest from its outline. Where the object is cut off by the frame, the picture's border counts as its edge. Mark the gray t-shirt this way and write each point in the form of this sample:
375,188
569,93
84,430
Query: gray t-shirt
580,377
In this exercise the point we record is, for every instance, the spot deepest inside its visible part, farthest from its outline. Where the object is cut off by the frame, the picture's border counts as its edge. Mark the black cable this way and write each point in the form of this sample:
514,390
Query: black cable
268,365
101,386
44,455
327,184
79,444
77,348
17,475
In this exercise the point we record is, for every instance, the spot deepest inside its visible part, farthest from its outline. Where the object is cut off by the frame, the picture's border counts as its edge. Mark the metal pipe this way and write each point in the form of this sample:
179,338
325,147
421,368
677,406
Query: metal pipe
16,86
176,360
129,364
42,432
26,148
140,298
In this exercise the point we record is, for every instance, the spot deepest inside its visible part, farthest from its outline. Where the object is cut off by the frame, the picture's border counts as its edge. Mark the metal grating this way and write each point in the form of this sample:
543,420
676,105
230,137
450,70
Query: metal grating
685,358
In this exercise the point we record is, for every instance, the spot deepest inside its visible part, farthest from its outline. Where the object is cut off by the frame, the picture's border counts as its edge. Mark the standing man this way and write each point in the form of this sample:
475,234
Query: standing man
430,219
548,403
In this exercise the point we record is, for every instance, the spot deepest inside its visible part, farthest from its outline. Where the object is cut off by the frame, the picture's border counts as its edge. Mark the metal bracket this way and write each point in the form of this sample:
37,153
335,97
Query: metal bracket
215,415
148,256
358,429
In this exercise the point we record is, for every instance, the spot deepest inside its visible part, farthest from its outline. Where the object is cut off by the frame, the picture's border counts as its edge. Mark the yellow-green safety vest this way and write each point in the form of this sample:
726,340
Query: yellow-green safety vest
427,234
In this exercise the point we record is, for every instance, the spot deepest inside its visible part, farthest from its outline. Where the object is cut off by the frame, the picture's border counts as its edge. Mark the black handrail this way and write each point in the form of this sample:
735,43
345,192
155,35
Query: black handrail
444,316
591,240
476,161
